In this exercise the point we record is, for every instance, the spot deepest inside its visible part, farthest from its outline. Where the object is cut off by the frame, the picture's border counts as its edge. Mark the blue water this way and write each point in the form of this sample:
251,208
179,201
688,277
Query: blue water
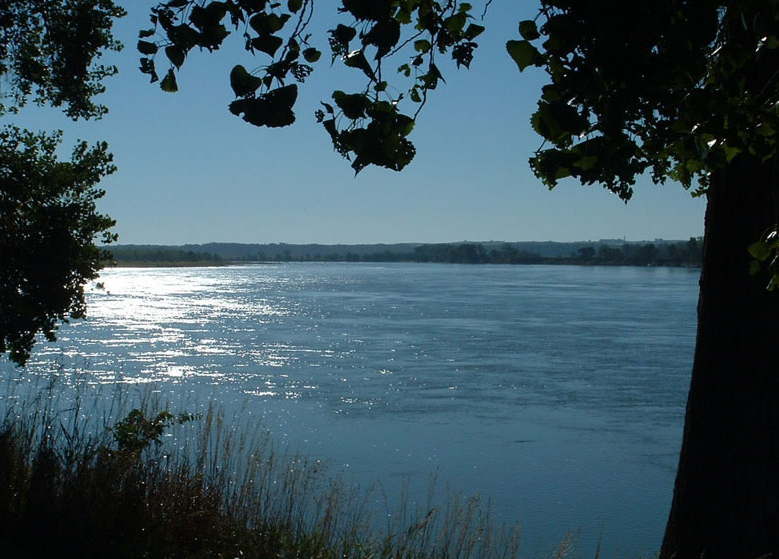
557,392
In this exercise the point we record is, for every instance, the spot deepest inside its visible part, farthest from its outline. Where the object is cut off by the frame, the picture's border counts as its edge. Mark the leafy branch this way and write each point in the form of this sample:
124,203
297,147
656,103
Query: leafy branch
367,127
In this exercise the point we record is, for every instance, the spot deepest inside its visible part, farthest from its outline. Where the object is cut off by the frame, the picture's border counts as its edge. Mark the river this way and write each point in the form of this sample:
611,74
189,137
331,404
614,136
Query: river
557,392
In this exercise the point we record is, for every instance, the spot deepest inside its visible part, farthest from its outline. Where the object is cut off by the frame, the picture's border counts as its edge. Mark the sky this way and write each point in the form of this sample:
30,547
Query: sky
191,172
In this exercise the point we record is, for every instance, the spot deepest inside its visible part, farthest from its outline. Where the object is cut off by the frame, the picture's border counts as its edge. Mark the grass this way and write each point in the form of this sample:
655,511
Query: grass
111,479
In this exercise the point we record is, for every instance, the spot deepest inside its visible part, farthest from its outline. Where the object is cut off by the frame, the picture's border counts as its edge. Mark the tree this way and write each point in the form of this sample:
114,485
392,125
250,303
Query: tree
48,215
686,90
692,96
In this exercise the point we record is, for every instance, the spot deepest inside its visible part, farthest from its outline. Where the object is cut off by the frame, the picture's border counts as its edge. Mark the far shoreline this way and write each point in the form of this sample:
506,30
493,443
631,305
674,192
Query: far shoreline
167,264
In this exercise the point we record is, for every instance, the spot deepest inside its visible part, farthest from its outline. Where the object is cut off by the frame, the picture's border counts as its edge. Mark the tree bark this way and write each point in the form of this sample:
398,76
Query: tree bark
726,495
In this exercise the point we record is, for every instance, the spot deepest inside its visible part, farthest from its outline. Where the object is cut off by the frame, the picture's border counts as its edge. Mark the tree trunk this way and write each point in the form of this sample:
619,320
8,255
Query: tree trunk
726,496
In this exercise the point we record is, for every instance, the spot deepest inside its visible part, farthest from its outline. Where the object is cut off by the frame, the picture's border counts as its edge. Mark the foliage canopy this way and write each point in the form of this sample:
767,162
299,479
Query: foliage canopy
48,52
48,215
368,127
677,89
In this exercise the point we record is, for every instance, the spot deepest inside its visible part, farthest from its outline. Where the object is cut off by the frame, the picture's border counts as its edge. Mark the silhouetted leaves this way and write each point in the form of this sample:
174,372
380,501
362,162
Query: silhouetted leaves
384,35
268,44
242,82
353,106
145,47
311,54
168,83
651,86
529,30
48,225
373,11
266,24
523,53
265,99
48,215
175,55
340,37
272,109
357,59
49,54
765,254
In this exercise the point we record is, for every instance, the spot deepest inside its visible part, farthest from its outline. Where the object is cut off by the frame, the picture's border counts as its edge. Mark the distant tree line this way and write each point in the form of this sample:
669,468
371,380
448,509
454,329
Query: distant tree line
672,254
679,254
160,254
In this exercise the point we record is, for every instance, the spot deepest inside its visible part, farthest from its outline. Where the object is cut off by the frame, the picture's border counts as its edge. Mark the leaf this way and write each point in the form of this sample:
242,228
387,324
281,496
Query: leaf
367,10
213,36
329,125
175,55
759,250
147,67
340,38
183,36
357,59
146,33
406,124
528,30
311,54
199,17
455,23
168,83
730,152
354,106
430,80
268,44
587,162
754,267
473,31
550,93
523,53
384,35
147,48
294,5
273,109
266,24
462,54
422,45
242,82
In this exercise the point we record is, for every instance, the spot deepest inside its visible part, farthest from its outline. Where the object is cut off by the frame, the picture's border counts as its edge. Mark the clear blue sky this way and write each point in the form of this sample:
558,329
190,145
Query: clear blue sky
191,172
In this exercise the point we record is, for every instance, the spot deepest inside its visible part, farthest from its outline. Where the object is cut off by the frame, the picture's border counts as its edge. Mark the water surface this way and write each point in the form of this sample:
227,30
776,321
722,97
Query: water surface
557,392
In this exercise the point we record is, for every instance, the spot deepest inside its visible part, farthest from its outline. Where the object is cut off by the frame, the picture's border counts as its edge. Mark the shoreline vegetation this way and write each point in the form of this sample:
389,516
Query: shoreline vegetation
88,478
602,253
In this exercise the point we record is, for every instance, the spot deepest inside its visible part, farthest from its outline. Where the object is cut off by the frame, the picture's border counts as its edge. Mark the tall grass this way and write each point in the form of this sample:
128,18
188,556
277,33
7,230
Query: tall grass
95,479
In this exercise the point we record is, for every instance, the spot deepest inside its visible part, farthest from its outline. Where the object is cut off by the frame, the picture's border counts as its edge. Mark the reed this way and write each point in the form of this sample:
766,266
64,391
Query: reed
125,477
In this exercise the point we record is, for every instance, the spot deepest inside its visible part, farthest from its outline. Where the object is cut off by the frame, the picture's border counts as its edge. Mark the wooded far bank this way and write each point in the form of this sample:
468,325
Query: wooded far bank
605,252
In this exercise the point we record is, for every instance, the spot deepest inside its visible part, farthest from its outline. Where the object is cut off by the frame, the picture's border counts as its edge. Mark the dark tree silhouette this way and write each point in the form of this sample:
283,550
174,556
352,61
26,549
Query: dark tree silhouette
48,216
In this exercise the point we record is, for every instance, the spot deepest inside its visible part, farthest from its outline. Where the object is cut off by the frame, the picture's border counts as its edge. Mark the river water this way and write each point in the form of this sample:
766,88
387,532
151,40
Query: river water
557,392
